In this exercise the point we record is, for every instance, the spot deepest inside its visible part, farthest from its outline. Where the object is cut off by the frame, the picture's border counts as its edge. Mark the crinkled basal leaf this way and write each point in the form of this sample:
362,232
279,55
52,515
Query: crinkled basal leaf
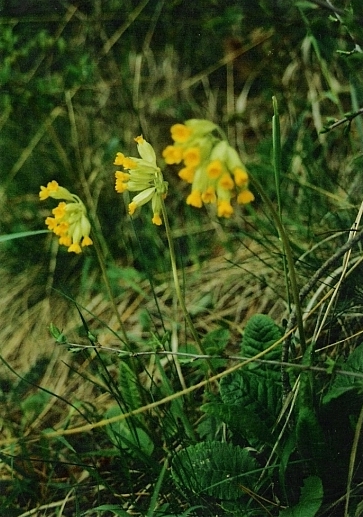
344,383
244,422
249,390
216,469
310,439
260,333
256,389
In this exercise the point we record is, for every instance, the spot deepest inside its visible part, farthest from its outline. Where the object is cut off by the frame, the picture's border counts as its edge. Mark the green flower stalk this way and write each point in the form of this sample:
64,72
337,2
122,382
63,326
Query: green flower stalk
69,222
144,176
211,166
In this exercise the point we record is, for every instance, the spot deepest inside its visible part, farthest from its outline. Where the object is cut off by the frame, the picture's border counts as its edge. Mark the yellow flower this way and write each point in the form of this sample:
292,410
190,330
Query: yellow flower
119,160
69,222
192,130
55,191
224,208
191,156
141,199
240,176
214,169
172,154
180,133
195,199
212,166
226,182
143,176
187,174
157,219
45,192
209,196
121,181
245,197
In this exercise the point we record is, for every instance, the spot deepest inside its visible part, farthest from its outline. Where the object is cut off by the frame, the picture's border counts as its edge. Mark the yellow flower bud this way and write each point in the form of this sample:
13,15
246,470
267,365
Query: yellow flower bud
209,196
75,247
146,151
195,199
240,176
132,208
226,182
245,197
157,219
86,241
224,209
200,127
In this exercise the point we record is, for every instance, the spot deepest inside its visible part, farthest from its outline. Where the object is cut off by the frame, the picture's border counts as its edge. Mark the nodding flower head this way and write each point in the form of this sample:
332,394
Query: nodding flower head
142,175
212,167
69,222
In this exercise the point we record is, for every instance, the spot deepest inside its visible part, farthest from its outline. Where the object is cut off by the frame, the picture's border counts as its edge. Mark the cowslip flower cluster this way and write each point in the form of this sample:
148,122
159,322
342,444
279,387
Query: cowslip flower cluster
210,165
144,176
69,222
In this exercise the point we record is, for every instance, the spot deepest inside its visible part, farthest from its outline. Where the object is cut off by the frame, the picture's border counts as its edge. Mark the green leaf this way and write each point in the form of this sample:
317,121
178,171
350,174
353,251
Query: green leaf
126,277
114,508
260,333
20,235
125,436
216,341
310,501
245,422
215,469
310,438
33,405
57,334
253,391
129,387
344,383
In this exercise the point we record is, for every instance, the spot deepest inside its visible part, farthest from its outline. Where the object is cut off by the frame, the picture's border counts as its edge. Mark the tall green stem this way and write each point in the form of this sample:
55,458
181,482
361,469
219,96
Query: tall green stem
176,278
106,280
290,261
276,143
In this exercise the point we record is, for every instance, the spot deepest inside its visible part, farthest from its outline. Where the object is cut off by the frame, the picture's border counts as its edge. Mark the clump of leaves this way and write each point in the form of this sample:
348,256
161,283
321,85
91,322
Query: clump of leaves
215,469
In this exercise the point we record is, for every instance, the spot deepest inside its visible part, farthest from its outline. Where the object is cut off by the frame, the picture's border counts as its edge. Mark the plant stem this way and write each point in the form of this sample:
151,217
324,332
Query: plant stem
276,145
176,278
290,261
106,280
353,455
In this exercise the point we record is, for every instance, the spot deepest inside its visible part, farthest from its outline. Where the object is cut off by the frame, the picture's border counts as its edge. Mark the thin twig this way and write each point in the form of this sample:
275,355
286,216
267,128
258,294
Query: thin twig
194,357
347,118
